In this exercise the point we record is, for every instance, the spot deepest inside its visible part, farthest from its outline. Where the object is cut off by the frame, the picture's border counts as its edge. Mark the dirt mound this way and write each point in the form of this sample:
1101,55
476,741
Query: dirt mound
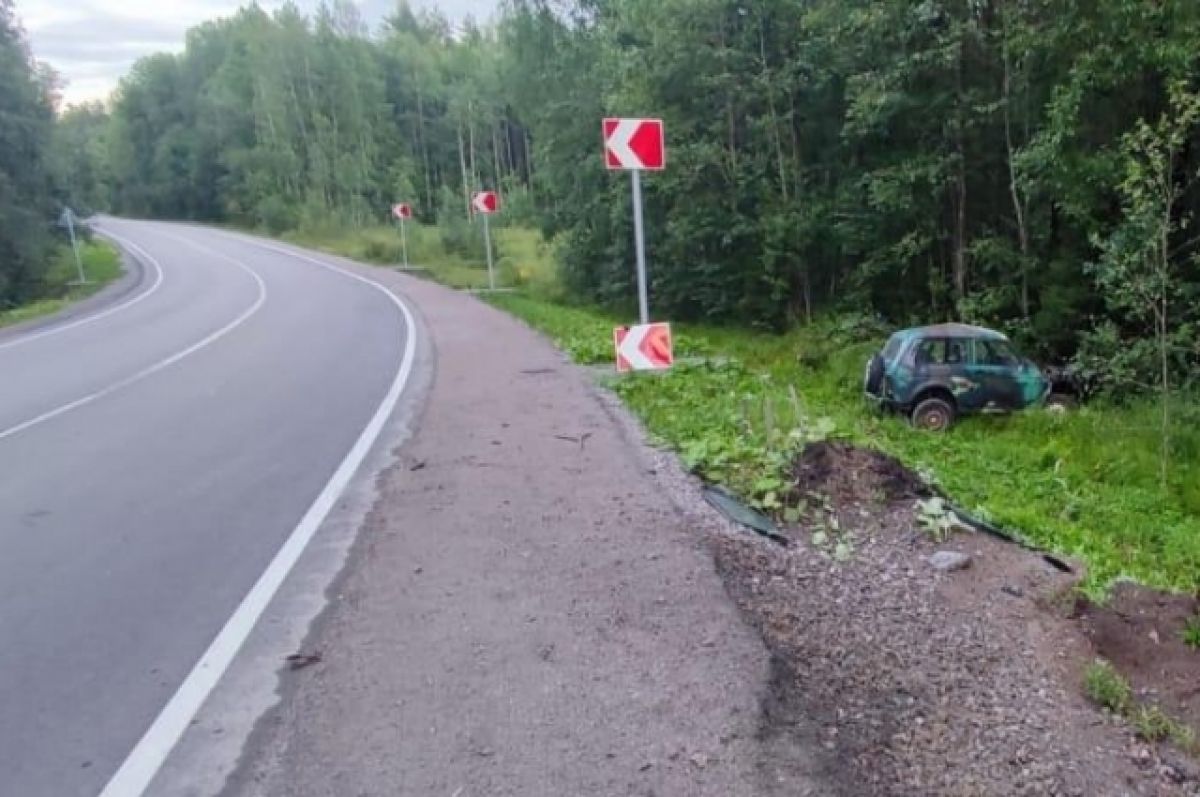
852,474
1139,630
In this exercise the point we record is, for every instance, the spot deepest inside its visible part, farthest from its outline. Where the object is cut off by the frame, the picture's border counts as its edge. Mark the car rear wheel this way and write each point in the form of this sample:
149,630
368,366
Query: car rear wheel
933,415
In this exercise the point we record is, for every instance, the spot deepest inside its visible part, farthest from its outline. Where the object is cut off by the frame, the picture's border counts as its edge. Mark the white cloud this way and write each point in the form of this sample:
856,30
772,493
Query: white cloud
91,44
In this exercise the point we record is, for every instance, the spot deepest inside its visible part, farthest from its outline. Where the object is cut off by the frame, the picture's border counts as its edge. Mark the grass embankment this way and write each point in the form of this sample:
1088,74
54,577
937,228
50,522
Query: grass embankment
101,264
1084,483
522,258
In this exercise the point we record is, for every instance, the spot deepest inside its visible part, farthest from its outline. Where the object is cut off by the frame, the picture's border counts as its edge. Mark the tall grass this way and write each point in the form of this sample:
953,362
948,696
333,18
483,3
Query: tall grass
522,258
101,264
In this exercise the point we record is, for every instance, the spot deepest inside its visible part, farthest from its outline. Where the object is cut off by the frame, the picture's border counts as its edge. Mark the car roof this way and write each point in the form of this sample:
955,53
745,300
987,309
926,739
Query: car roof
952,330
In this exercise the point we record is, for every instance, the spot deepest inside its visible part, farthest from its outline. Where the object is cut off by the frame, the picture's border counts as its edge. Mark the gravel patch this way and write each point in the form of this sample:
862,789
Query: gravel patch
914,681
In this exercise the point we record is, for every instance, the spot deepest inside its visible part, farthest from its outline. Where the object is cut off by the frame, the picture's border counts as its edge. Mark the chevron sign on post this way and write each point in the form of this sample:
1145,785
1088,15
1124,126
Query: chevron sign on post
636,145
485,203
645,347
402,211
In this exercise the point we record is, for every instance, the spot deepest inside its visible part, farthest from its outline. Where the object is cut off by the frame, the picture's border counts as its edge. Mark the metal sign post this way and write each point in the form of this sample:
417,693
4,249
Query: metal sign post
402,211
69,218
485,203
639,237
403,242
487,244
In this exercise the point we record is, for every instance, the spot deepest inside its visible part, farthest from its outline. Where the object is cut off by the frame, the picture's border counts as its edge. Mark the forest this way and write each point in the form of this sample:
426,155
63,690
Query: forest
1025,164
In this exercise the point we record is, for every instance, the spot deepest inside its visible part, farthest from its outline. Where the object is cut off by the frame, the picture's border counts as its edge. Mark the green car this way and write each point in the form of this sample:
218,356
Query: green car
935,374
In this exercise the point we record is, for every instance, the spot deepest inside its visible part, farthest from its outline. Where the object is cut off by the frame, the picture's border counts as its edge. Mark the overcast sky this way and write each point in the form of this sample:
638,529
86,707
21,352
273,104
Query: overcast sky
91,43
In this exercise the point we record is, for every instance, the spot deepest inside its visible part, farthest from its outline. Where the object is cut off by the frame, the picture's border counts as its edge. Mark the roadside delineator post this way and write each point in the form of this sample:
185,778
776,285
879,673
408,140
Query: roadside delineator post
485,203
68,220
637,145
403,211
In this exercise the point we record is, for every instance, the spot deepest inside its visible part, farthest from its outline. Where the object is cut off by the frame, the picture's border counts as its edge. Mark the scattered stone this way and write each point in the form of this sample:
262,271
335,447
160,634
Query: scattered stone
949,561
1013,590
700,760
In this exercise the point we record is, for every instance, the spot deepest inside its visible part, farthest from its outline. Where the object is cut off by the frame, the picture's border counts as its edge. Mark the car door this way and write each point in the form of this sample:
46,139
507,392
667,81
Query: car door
966,385
995,367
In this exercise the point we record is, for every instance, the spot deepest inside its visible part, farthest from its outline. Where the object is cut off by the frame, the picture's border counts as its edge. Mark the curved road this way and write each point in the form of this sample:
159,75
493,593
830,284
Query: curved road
157,454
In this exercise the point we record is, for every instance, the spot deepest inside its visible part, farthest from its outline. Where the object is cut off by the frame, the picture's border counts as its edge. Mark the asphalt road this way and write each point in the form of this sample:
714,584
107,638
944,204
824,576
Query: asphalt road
156,454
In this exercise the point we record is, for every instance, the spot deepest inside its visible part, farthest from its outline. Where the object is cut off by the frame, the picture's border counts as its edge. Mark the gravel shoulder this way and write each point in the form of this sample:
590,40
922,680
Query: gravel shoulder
527,610
540,604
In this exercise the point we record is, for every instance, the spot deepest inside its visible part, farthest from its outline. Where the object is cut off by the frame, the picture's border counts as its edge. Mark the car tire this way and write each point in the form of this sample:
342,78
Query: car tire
873,381
933,415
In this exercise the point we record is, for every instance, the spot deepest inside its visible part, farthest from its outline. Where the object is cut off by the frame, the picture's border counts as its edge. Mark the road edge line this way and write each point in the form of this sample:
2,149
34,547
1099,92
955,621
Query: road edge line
143,763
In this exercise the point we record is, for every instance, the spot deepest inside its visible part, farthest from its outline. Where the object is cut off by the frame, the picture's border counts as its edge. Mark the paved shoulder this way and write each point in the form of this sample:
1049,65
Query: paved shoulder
525,613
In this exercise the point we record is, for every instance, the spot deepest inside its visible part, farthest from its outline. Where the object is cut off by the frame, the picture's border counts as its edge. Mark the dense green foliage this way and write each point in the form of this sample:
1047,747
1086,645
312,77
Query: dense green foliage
282,121
27,212
913,159
1085,483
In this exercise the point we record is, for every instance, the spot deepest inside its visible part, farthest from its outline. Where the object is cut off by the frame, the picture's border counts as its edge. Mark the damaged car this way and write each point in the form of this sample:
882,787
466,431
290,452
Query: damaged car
936,374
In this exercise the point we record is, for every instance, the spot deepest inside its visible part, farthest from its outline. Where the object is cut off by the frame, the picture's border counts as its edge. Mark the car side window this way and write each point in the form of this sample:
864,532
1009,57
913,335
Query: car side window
931,351
995,352
956,351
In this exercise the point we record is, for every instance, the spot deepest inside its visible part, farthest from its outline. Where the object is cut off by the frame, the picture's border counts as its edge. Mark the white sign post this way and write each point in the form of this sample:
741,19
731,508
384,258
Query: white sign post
68,220
403,211
485,203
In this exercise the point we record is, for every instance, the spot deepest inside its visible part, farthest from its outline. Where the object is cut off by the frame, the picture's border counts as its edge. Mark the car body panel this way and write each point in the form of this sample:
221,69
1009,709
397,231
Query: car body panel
978,367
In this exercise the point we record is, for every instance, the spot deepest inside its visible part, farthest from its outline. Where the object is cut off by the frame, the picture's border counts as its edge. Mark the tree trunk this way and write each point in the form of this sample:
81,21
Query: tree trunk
767,82
462,162
429,202
496,155
471,144
1164,265
1018,202
960,210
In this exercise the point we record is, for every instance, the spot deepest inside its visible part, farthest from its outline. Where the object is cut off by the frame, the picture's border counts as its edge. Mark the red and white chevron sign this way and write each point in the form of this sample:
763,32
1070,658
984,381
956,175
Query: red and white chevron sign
645,347
485,202
634,144
402,210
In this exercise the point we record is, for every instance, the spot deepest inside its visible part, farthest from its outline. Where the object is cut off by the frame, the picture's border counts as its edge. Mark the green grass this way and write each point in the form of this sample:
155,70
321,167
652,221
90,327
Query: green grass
1083,483
101,264
1107,688
523,259
1191,632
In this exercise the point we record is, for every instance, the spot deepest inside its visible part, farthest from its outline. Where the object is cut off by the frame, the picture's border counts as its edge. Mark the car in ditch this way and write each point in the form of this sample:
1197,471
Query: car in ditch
936,374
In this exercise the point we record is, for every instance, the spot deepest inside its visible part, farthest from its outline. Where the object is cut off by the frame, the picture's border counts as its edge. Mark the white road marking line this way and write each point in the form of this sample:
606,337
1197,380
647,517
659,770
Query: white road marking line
155,367
158,278
148,756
